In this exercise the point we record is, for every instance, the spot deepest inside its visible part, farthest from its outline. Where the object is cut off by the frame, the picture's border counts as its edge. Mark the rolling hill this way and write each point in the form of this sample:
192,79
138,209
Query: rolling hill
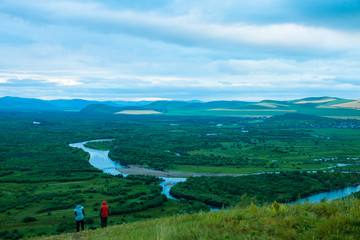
320,106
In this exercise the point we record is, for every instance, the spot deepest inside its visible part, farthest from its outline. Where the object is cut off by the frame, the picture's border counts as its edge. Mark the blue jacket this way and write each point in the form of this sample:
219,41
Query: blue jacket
79,213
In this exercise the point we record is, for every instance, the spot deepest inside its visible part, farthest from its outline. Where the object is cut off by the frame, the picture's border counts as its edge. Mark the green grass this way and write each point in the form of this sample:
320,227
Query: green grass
256,121
321,143
279,166
338,219
213,169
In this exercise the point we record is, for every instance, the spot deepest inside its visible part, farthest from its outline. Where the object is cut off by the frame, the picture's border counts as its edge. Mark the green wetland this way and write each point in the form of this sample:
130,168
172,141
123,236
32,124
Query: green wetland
42,177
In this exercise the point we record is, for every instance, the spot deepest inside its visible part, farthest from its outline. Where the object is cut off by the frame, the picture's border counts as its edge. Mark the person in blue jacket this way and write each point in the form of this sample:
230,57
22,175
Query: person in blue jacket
79,217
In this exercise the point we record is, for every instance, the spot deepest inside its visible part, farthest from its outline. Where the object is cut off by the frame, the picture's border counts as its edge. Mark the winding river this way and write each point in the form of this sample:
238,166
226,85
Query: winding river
101,160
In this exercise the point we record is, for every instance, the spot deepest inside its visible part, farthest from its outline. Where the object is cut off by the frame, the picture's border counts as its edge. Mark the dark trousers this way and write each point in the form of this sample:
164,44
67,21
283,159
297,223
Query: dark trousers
103,222
78,225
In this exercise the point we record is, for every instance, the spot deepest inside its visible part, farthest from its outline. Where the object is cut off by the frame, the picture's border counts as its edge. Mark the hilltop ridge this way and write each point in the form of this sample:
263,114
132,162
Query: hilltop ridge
321,106
338,219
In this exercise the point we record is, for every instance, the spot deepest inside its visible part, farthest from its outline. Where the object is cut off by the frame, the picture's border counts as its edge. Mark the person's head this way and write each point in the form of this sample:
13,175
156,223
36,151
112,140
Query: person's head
103,203
75,204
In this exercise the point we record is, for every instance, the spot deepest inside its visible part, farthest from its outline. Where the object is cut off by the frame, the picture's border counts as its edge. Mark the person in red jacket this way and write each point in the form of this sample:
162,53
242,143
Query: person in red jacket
104,213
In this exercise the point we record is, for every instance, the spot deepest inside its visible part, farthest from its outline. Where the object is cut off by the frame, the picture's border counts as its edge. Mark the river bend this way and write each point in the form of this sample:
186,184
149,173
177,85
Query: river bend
101,160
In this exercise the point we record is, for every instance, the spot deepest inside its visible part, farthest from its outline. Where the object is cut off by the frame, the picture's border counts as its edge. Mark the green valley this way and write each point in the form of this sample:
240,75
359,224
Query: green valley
42,177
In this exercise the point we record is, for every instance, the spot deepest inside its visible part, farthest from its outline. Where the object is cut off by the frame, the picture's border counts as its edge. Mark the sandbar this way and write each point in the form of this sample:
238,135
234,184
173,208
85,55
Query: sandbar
138,170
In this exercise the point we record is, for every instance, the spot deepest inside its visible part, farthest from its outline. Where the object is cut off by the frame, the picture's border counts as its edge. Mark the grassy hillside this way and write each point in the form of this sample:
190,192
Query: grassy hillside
319,106
100,108
338,219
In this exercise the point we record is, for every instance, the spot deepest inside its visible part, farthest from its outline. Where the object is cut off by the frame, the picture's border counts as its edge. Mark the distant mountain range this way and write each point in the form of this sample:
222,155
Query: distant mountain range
32,104
322,106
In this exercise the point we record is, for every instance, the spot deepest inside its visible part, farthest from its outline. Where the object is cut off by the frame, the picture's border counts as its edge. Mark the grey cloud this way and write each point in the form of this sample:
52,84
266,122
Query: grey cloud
185,30
25,83
181,49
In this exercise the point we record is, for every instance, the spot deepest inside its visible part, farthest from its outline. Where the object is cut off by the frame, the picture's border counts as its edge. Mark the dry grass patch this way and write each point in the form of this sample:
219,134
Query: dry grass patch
138,112
344,117
249,116
353,105
316,101
250,110
271,105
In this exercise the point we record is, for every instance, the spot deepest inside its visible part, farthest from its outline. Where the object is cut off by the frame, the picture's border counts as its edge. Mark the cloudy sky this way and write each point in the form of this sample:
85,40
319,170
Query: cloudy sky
181,49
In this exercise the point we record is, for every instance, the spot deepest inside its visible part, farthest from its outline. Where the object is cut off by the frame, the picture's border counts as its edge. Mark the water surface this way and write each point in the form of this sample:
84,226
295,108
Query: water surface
100,159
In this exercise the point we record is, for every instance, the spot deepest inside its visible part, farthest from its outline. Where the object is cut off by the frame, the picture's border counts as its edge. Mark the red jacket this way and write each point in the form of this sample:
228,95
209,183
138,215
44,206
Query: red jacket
104,210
